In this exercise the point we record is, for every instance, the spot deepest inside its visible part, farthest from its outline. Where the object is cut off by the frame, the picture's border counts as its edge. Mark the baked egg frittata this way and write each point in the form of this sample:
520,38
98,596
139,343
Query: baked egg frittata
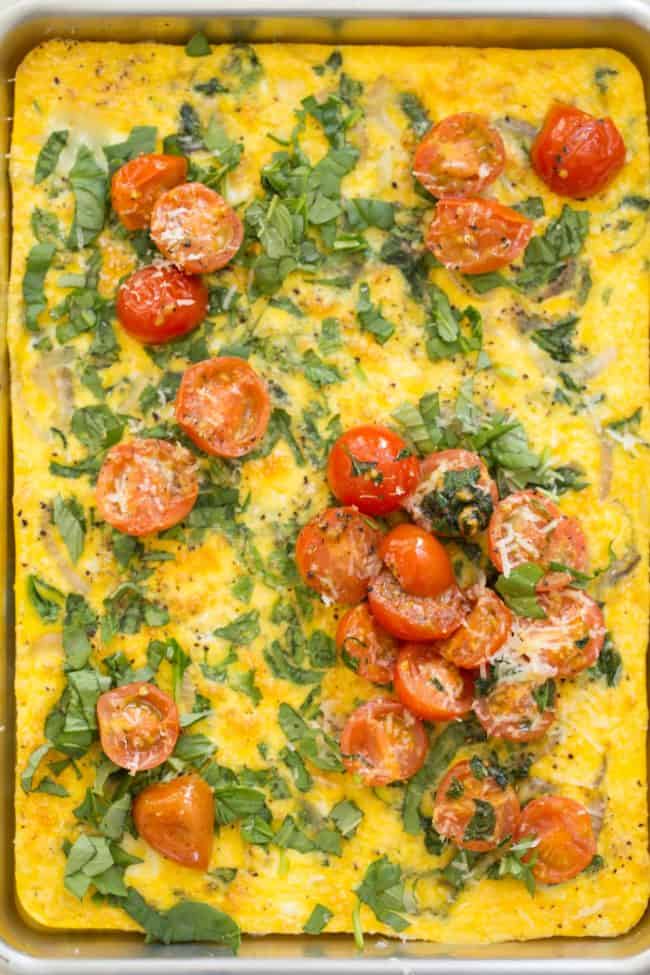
213,737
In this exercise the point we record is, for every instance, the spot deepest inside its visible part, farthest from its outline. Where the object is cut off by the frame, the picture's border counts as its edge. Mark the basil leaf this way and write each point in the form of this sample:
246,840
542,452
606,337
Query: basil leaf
45,226
364,212
519,592
97,427
34,760
370,318
48,157
141,141
90,186
346,816
609,665
79,624
415,112
194,749
301,777
243,630
46,600
532,207
187,921
198,46
382,889
483,822
211,87
234,802
38,264
68,516
557,339
318,919
113,821
319,373
546,256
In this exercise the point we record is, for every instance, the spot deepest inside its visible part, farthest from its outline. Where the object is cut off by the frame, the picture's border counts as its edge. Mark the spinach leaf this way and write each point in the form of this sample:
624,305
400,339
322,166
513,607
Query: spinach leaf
370,317
97,427
415,112
318,919
243,630
48,157
46,600
519,592
382,889
557,339
89,186
198,46
187,921
38,264
141,141
68,516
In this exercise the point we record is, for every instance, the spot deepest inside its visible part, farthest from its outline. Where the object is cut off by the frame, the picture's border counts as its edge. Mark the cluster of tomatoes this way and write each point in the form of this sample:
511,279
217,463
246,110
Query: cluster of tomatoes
414,628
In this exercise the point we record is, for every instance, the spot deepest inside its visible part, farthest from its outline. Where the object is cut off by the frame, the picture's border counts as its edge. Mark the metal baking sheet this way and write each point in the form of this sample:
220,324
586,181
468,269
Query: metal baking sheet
621,24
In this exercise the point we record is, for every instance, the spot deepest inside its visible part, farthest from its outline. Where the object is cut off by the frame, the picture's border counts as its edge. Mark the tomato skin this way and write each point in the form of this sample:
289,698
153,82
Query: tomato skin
459,156
337,554
481,634
471,506
419,619
576,154
148,500
137,184
452,814
195,228
365,647
418,561
223,405
382,742
473,235
572,617
566,841
177,819
391,479
419,671
138,725
159,303
510,712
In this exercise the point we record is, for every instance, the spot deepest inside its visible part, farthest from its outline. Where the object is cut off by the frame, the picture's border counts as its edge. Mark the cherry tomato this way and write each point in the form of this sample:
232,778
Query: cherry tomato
223,406
337,554
481,634
459,156
572,635
577,154
382,742
372,468
429,686
455,494
367,649
418,561
146,486
566,842
417,618
177,819
510,711
473,810
137,184
138,725
528,527
159,303
473,235
195,228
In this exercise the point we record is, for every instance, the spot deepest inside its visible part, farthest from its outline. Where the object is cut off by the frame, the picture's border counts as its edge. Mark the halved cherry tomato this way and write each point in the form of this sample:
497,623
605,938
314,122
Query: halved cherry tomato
418,561
510,711
577,154
138,725
337,554
223,406
468,804
177,819
565,838
481,634
417,618
429,686
382,742
459,156
195,228
159,303
473,235
528,527
572,635
146,485
455,494
365,647
137,184
372,468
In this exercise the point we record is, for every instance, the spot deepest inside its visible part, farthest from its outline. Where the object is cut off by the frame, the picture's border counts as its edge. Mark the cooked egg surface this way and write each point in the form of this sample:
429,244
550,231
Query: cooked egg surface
300,326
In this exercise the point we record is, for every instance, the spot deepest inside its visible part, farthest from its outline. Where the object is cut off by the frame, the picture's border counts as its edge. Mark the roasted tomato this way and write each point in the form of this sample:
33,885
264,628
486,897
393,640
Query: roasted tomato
138,725
146,486
473,235
528,527
459,156
372,468
177,819
572,635
481,634
417,618
223,406
365,647
195,228
472,810
517,710
382,742
455,494
577,154
159,303
429,686
565,838
137,184
337,554
417,560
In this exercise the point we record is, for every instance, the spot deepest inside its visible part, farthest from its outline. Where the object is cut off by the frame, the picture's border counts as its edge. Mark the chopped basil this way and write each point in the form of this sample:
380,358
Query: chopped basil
415,112
518,590
211,87
243,630
187,921
48,157
46,227
320,373
286,304
532,207
482,824
517,862
450,331
34,760
544,695
38,264
194,749
546,256
68,516
370,317
244,65
346,816
90,186
333,63
79,625
363,212
382,889
141,140
46,600
71,726
127,609
602,76
318,919
557,338
242,588
198,46
233,802
312,743
609,665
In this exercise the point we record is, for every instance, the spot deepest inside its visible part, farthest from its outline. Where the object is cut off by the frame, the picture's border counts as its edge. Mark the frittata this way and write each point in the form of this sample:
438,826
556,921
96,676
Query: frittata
339,295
